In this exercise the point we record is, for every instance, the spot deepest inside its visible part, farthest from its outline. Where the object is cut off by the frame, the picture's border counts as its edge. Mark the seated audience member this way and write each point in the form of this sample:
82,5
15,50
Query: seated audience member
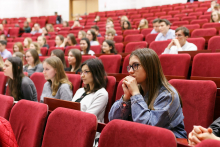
35,45
65,24
156,26
74,59
4,52
59,40
77,17
213,3
20,86
33,62
85,47
217,8
2,31
4,22
45,32
126,25
57,86
165,31
36,29
58,19
3,37
93,98
49,28
27,28
81,34
97,19
143,24
108,47
20,55
180,43
91,35
27,42
60,54
76,24
42,41
123,18
109,26
215,17
149,99
96,29
109,20
18,47
200,133
1,63
70,40
110,34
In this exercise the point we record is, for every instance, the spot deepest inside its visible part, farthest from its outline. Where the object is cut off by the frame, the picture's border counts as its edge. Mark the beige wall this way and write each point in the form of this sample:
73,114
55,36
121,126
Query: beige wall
80,6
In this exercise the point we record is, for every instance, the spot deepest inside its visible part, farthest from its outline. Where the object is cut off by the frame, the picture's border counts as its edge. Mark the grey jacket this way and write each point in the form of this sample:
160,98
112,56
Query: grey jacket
37,68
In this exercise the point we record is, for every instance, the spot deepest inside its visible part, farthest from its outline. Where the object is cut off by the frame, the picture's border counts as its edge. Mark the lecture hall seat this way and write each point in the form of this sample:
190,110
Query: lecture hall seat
131,46
111,63
6,104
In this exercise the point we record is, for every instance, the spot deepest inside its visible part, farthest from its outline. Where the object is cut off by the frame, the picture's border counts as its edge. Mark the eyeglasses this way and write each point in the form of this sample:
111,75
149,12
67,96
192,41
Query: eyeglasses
134,67
84,72
178,35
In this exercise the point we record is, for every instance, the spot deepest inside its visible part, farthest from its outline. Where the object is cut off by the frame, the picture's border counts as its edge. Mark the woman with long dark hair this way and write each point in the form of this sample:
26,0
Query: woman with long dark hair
108,47
74,59
91,35
148,97
85,47
20,86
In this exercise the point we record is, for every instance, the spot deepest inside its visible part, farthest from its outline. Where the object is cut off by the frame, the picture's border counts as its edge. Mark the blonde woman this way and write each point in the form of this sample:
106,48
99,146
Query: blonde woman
27,42
57,86
215,17
18,47
36,46
143,24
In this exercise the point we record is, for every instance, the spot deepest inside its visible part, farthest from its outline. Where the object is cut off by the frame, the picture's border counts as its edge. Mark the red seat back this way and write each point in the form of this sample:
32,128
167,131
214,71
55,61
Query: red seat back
159,46
204,32
75,79
28,120
197,97
130,32
150,38
80,131
6,103
214,43
134,38
199,42
3,80
87,57
96,48
131,46
141,132
111,63
118,39
119,47
69,48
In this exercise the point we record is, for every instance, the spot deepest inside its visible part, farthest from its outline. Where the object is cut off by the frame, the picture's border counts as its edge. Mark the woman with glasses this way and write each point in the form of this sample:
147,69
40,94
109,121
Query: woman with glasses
57,86
148,97
93,97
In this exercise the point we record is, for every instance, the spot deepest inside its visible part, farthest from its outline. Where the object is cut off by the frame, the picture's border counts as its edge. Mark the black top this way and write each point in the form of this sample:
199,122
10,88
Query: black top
46,45
216,127
59,19
69,69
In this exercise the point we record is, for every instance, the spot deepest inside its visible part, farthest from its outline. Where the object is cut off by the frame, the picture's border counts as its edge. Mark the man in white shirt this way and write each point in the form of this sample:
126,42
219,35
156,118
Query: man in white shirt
165,31
155,26
36,29
180,43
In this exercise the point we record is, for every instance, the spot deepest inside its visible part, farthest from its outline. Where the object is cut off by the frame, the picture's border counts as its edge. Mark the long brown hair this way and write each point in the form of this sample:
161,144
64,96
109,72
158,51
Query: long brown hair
35,55
20,46
211,20
77,54
151,64
72,38
60,76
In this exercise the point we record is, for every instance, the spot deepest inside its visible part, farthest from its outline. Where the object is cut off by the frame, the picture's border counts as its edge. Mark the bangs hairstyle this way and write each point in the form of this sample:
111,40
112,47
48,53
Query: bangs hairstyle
97,70
60,54
15,83
20,46
111,44
77,54
151,64
35,55
88,44
60,76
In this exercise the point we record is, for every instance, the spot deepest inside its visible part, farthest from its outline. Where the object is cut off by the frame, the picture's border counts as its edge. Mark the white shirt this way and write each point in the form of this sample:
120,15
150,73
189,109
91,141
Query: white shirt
94,103
90,52
170,35
94,43
186,47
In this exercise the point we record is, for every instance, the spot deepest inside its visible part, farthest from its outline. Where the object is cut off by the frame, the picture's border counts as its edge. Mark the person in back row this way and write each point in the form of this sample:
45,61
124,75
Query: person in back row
213,4
148,97
91,35
33,62
96,29
165,31
110,34
36,29
156,26
180,43
57,86
143,24
20,86
3,51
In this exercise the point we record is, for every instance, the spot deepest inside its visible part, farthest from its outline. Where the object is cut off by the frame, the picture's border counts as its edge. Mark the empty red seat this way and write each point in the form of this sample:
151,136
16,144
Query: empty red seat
188,18
150,38
125,64
204,32
131,32
14,32
192,26
119,47
10,45
96,48
134,38
118,39
131,46
187,10
42,58
28,120
208,142
80,131
141,132
205,16
203,9
180,23
195,14
197,97
69,48
214,43
39,81
111,63
51,43
199,42
173,19
6,103
100,39
87,57
159,46
19,39
211,25
178,7
206,65
199,21
173,66
52,19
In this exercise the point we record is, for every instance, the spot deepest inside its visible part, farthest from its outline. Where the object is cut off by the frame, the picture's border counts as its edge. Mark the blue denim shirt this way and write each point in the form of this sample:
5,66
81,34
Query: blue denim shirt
167,114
